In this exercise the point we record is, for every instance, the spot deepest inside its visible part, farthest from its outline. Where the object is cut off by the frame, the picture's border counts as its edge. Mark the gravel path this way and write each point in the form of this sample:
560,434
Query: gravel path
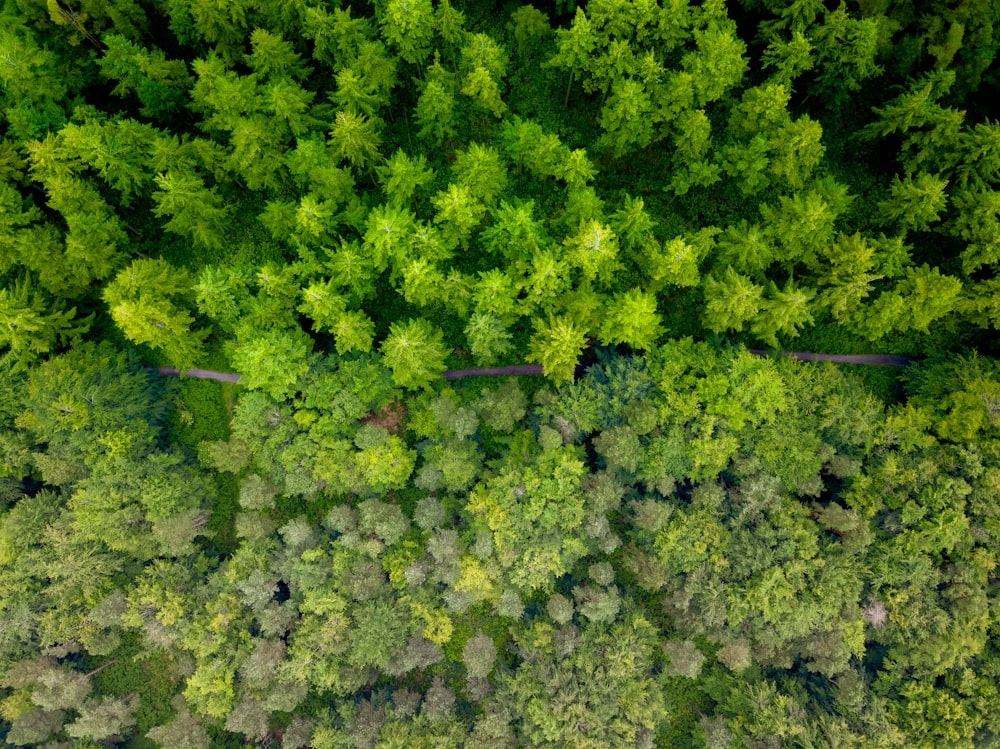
878,360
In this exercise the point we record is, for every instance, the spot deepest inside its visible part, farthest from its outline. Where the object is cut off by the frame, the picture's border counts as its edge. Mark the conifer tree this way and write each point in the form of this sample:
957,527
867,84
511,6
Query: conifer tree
147,302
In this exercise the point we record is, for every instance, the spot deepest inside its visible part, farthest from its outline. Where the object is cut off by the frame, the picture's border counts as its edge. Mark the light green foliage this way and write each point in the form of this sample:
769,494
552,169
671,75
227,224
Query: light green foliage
195,211
271,359
408,25
593,249
458,212
557,345
929,295
146,302
480,170
353,137
484,91
632,318
846,49
915,203
676,262
718,64
415,352
31,327
783,312
488,338
403,175
627,118
436,105
731,302
629,718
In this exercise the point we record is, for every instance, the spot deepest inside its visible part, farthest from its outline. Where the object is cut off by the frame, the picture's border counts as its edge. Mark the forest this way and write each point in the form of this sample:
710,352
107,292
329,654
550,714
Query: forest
664,540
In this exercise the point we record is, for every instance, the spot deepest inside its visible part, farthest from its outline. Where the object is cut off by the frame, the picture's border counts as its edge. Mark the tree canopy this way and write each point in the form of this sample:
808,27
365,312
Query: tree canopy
662,540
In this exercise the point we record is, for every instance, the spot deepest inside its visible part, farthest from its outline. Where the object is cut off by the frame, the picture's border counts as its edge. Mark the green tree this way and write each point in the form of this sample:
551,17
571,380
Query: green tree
403,175
557,344
271,359
731,302
593,249
627,118
480,169
160,84
488,338
435,111
408,25
354,137
196,212
915,203
104,718
458,212
32,326
147,302
415,352
783,311
632,319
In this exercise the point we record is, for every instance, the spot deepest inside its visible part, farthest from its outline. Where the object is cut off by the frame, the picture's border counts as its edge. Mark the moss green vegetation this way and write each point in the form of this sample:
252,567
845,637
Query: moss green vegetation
686,546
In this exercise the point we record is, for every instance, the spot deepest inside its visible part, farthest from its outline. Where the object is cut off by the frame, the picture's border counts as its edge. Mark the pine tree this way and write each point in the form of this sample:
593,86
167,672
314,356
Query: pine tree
408,25
783,311
632,319
195,211
31,326
557,344
354,137
147,302
730,302
415,352
915,203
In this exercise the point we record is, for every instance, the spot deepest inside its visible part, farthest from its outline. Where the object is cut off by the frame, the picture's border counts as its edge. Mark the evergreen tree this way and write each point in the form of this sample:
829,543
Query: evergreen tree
143,300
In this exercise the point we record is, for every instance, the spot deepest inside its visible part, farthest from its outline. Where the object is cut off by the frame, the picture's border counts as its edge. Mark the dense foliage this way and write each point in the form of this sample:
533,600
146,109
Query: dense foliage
685,546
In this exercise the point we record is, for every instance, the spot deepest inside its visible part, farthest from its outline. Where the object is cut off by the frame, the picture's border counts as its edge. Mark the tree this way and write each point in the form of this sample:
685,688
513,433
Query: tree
483,64
627,118
488,338
31,326
480,169
103,718
159,83
195,211
929,295
273,58
557,344
436,105
783,311
604,708
915,203
846,50
731,302
403,175
408,25
479,655
415,352
143,300
353,137
574,46
632,319
718,64
458,211
272,359
353,330
593,249
484,90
